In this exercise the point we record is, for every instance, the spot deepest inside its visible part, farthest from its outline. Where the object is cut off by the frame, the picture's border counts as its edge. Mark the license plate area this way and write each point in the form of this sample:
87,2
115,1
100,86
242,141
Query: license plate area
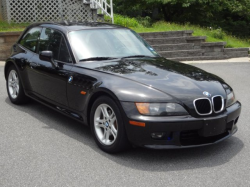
213,127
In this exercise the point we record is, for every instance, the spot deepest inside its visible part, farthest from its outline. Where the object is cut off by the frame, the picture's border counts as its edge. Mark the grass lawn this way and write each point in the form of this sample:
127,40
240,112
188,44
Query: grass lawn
6,27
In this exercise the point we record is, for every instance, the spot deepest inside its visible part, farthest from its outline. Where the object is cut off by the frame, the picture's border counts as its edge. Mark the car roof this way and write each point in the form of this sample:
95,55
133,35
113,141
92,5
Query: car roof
67,26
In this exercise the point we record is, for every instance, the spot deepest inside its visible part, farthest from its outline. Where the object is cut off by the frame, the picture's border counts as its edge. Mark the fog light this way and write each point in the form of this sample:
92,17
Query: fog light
157,135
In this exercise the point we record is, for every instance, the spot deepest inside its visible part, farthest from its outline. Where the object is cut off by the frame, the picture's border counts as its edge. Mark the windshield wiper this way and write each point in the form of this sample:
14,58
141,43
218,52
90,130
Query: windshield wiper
97,58
134,56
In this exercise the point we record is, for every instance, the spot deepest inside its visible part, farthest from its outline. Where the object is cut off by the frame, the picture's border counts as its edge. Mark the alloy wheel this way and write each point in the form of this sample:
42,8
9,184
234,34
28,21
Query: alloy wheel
105,124
13,84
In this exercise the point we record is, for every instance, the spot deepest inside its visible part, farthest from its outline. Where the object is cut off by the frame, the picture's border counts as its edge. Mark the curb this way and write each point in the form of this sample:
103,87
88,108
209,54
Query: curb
231,60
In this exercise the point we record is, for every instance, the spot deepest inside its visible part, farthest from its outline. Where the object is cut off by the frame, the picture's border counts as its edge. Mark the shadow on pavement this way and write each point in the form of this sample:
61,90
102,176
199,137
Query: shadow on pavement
138,158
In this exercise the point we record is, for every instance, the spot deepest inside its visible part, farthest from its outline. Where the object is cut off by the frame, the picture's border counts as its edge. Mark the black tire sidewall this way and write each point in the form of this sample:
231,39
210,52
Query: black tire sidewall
121,140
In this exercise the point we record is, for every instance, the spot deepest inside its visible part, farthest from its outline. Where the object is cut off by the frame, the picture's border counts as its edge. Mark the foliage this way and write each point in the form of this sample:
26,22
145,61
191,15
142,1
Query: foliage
218,33
126,21
145,21
130,22
233,16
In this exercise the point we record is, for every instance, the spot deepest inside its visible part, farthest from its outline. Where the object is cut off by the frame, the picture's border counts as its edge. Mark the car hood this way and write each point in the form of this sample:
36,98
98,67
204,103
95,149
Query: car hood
181,81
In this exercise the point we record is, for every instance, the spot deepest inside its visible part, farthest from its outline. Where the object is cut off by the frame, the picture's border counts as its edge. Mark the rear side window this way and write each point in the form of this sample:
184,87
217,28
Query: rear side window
30,39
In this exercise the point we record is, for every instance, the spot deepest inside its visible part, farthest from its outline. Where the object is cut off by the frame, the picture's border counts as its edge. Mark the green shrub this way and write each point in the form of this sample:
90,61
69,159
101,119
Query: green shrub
145,21
126,21
218,33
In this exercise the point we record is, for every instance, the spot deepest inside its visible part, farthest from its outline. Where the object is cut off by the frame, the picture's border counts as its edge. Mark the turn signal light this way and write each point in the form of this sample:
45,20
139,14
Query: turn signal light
83,92
140,124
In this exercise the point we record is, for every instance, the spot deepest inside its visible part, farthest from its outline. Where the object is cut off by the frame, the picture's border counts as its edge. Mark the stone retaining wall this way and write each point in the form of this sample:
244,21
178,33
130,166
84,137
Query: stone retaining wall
7,39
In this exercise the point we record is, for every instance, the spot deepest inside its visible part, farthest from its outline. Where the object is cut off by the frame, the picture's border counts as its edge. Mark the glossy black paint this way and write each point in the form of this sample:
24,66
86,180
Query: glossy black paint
146,79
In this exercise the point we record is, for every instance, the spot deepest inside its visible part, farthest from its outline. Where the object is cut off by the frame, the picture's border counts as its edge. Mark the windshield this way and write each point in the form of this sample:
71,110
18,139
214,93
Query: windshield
116,43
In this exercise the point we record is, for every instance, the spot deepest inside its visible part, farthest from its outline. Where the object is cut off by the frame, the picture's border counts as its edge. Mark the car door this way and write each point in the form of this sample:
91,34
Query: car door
47,81
24,50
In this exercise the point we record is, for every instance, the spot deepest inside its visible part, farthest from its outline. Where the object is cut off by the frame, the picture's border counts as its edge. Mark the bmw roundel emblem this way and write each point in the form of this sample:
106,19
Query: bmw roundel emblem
206,94
70,79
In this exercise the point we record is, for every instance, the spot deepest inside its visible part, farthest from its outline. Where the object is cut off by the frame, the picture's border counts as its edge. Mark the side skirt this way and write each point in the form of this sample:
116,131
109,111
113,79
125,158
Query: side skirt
64,111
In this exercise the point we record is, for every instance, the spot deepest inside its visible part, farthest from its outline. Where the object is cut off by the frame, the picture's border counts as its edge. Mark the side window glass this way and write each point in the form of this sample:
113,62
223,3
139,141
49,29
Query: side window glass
64,53
30,39
54,43
45,39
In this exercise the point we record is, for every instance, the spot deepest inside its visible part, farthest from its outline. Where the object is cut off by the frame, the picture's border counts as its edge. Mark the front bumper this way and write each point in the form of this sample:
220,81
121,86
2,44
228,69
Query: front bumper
182,131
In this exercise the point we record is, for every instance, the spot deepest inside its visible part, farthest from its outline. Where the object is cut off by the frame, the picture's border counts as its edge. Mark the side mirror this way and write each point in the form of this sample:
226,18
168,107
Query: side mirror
47,56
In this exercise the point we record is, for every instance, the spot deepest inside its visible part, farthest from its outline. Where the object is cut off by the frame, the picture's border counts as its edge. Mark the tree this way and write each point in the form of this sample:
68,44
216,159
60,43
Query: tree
231,15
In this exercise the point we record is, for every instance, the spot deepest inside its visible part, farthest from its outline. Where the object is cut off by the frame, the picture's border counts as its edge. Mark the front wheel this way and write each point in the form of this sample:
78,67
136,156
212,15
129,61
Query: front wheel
15,87
107,126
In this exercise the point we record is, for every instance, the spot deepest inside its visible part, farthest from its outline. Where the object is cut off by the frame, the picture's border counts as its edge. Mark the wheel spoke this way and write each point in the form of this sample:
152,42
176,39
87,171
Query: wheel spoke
113,118
14,77
104,111
17,89
14,91
107,136
99,120
11,83
100,125
113,131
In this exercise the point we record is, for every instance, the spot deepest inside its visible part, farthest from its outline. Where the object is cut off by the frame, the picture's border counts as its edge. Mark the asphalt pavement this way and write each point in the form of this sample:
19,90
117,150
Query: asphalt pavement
40,147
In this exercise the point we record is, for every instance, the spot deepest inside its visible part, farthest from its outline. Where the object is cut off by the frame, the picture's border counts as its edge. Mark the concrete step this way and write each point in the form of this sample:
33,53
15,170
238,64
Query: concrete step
234,54
166,34
213,46
181,53
173,47
237,49
175,40
160,41
197,40
193,58
213,53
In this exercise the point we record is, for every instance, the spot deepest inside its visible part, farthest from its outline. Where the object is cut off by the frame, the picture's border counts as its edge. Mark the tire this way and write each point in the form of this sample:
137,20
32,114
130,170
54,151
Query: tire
107,126
14,87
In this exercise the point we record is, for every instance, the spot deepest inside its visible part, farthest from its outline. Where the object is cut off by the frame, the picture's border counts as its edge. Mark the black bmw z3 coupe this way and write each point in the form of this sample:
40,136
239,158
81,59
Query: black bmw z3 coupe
106,76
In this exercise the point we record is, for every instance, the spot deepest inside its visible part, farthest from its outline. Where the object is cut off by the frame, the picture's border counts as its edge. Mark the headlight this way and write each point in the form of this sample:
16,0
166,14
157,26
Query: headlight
161,109
231,99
